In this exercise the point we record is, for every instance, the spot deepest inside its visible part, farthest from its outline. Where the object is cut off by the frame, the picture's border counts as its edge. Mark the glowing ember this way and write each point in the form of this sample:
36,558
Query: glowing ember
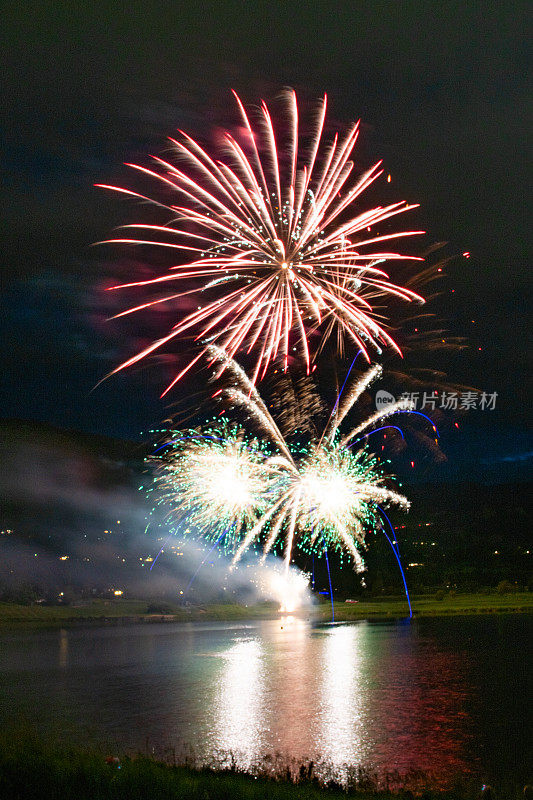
290,589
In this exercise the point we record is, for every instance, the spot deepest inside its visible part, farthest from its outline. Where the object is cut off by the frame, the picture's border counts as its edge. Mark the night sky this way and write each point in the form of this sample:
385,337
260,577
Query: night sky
441,88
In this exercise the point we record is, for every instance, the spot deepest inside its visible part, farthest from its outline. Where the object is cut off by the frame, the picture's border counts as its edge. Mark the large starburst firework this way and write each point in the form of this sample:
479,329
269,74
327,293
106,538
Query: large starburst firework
271,241
324,493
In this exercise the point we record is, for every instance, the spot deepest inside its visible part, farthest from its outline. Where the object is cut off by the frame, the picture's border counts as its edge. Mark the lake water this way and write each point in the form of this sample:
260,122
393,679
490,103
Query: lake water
444,696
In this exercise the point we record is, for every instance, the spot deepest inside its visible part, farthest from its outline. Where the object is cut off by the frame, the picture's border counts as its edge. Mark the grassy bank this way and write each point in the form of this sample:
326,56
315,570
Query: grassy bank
430,606
32,770
13,616
124,612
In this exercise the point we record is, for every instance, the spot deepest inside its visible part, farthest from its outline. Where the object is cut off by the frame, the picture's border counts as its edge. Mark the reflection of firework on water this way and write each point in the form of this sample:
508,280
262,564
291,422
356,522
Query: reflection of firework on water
273,247
321,494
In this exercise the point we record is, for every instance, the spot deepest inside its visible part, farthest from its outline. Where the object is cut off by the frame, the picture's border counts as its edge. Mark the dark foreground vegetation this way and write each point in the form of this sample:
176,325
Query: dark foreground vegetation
31,770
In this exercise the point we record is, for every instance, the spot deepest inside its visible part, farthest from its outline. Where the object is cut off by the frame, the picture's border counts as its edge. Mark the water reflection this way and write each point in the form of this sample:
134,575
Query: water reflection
382,696
238,702
419,713
346,696
343,701
293,689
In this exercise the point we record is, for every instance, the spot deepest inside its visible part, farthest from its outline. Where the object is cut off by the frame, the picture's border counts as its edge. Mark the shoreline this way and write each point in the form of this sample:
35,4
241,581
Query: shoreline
32,767
15,617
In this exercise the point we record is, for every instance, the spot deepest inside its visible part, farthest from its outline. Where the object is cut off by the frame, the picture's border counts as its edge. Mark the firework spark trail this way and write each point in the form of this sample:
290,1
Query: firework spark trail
349,400
272,241
377,430
258,408
282,493
392,408
258,527
330,489
329,579
337,401
395,549
292,527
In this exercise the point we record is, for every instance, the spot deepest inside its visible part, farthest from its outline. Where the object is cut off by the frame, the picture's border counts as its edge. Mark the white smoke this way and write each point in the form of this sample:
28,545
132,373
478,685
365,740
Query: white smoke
62,500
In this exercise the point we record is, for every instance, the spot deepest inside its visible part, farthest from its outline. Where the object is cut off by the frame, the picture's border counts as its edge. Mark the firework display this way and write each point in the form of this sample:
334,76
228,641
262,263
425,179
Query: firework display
272,241
276,259
222,481
216,478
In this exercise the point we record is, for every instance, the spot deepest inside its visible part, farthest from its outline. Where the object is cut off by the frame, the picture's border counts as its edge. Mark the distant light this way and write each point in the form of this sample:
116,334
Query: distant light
118,592
61,558
466,254
388,178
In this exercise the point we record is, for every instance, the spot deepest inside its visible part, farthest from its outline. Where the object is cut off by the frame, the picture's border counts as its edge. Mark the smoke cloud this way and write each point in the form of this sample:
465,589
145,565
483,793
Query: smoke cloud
75,521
